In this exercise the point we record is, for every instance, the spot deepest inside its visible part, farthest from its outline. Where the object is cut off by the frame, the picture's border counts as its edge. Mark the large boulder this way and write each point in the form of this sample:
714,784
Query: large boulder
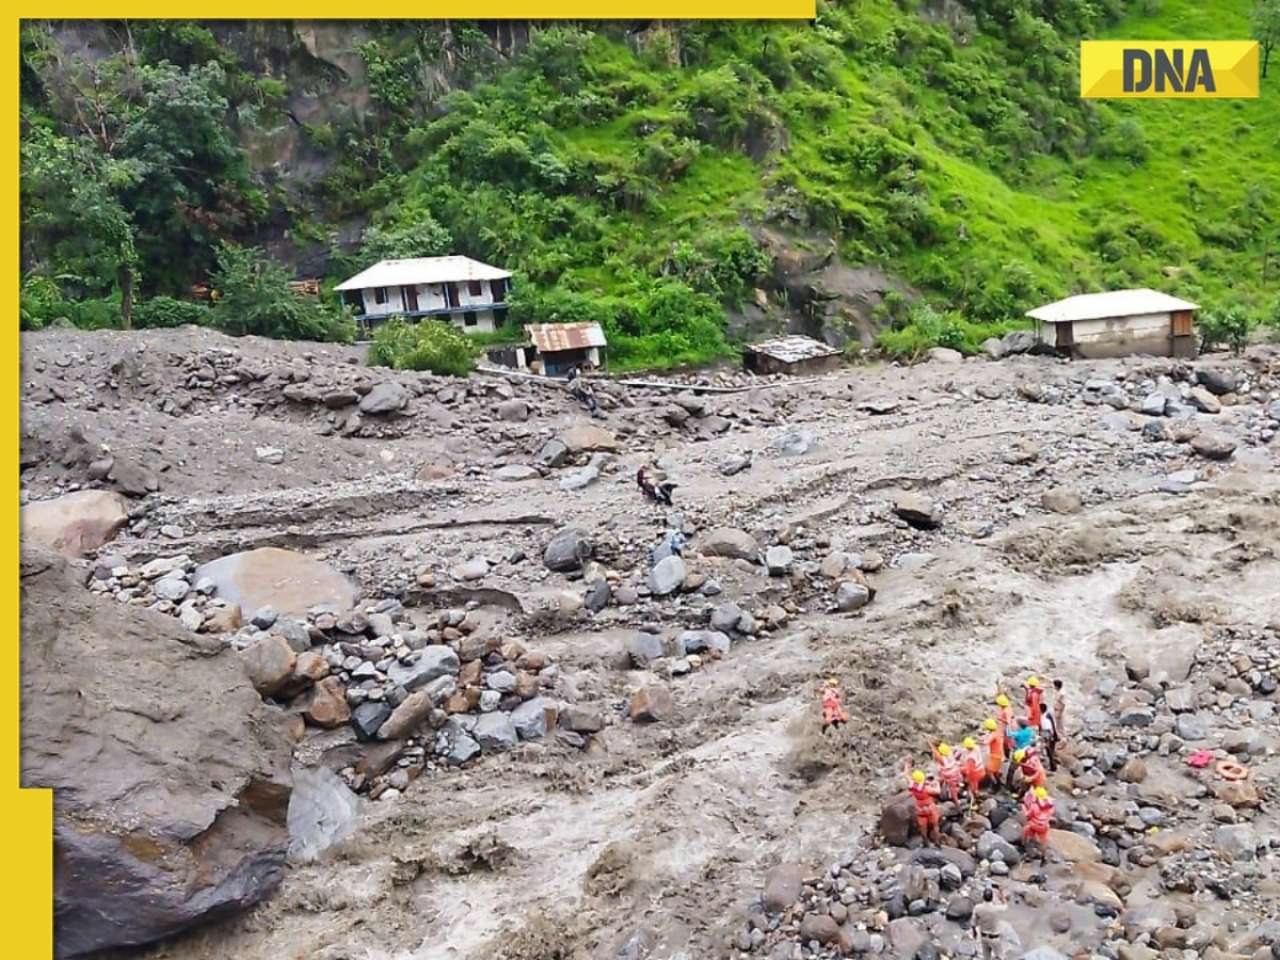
77,523
384,398
171,776
567,550
587,438
290,583
728,542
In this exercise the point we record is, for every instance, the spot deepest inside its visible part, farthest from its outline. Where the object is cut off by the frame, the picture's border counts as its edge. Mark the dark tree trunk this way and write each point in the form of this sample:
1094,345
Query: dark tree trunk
124,277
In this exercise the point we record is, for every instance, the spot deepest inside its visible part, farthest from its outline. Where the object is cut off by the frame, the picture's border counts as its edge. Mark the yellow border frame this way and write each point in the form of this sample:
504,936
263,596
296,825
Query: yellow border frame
27,885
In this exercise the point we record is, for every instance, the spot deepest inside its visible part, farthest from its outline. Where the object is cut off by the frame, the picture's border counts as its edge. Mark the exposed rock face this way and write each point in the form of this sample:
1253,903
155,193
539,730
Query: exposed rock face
288,582
76,523
171,776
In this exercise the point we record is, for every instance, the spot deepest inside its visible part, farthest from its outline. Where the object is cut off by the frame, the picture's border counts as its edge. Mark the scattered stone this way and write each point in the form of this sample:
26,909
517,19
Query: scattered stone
1061,500
778,560
651,703
75,524
667,576
729,542
917,509
567,550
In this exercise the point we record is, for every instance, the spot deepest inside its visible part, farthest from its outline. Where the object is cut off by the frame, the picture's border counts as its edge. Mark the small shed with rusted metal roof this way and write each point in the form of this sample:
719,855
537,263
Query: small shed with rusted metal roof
792,355
557,347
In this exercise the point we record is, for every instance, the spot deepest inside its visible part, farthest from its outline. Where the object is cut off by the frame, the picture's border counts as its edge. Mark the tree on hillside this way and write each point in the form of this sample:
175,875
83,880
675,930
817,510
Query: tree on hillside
74,225
132,163
1266,28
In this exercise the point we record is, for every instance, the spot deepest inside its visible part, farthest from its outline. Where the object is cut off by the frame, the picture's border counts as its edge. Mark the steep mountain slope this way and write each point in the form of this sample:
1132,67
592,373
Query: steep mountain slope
665,178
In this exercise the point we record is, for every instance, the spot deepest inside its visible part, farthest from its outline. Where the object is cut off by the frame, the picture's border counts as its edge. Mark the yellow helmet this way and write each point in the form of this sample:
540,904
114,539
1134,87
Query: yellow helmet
968,743
1033,682
1041,793
944,749
917,776
1002,701
1019,755
832,682
988,724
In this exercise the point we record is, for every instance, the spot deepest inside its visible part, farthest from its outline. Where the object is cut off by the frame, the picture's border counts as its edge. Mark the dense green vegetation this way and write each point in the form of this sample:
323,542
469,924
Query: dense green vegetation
438,347
623,179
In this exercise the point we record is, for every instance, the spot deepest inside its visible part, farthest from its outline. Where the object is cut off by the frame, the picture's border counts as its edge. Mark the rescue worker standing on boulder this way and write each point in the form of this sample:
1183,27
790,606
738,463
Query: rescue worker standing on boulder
972,767
1034,695
925,792
1037,808
994,743
1004,717
948,770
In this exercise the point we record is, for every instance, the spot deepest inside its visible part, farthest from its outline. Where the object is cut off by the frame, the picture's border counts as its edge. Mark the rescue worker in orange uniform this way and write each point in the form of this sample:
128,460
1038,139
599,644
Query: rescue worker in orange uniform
1030,767
993,740
1037,808
948,770
833,712
925,792
972,767
1034,695
1004,718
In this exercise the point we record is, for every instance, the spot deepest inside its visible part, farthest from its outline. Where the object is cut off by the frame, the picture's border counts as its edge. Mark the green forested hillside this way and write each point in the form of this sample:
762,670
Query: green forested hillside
652,176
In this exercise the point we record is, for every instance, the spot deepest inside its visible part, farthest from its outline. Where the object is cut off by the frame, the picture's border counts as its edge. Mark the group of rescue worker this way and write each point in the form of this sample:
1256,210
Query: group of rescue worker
1009,755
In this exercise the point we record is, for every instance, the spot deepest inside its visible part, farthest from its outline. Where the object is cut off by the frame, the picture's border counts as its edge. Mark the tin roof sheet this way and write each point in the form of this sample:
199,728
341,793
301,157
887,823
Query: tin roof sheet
556,337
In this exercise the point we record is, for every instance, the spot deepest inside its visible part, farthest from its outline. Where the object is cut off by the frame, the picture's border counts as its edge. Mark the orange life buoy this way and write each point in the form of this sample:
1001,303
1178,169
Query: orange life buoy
1230,770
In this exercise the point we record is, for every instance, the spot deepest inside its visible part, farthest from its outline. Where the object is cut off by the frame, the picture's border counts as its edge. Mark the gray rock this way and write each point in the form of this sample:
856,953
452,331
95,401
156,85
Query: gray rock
1237,841
597,595
944,355
729,542
554,453
1180,699
368,718
383,399
992,846
322,811
513,411
725,617
1191,727
778,559
795,443
462,748
504,681
644,648
702,641
173,588
516,472
1019,341
1218,381
783,885
434,660
567,550
851,596
580,478
1152,405
917,509
495,731
271,455
530,718
667,576
265,618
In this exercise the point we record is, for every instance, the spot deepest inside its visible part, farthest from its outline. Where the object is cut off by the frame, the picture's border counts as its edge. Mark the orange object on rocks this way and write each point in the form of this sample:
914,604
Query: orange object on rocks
1031,767
833,711
994,742
948,770
1037,807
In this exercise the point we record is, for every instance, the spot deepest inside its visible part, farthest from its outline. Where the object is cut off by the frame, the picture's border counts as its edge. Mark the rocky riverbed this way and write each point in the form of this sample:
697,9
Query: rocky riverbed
511,709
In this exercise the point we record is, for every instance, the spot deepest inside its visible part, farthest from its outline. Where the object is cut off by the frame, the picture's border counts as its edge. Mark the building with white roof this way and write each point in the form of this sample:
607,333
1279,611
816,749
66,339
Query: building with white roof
470,294
1119,323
